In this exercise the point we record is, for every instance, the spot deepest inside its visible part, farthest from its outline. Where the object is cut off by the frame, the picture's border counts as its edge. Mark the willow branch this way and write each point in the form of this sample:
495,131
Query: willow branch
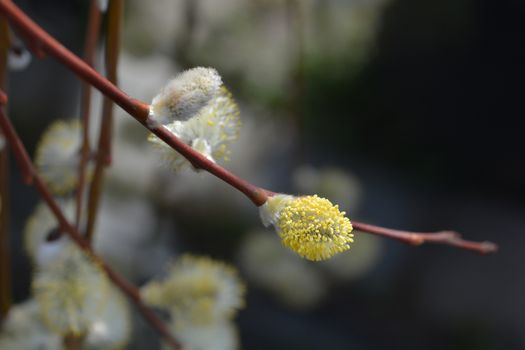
103,158
5,261
137,109
5,258
115,13
127,288
450,238
90,45
140,111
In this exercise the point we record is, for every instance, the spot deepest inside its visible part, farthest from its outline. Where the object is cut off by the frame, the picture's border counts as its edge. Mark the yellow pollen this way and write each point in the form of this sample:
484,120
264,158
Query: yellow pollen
314,228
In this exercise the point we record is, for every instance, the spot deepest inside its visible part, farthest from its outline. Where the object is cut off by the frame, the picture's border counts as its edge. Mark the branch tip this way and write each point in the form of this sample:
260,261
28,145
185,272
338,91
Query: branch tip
489,247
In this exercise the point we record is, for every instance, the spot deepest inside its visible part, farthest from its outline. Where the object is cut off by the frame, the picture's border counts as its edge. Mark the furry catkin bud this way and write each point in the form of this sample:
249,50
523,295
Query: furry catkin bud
185,95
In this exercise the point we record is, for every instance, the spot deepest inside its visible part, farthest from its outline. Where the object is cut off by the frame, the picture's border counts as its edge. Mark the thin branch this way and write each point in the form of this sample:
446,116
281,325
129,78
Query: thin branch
103,157
113,39
140,111
5,258
90,45
451,238
72,232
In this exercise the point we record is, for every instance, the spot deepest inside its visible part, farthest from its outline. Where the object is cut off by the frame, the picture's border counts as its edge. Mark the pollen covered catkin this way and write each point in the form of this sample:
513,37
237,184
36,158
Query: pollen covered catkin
309,225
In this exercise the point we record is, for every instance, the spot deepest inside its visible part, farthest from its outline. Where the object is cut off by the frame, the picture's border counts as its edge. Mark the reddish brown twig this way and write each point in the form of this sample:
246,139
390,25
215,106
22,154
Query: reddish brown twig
90,45
119,281
451,238
5,259
113,38
103,158
140,111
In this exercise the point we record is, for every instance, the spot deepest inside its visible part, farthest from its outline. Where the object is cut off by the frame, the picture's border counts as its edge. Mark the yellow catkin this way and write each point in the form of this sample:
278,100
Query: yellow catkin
57,155
210,131
198,291
71,292
314,228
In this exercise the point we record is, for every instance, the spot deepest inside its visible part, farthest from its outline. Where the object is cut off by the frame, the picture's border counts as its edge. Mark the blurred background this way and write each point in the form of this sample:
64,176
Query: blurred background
407,113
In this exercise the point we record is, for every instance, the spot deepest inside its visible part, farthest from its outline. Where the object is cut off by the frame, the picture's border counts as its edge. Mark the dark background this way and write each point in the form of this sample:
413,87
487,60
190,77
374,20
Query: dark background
432,124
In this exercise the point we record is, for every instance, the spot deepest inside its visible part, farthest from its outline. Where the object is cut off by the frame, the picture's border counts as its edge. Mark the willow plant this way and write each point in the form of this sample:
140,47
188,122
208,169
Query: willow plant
192,121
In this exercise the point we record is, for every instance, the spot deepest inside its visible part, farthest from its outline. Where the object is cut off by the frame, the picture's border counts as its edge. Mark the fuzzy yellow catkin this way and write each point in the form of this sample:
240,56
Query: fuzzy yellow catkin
58,155
197,291
72,292
210,131
309,225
